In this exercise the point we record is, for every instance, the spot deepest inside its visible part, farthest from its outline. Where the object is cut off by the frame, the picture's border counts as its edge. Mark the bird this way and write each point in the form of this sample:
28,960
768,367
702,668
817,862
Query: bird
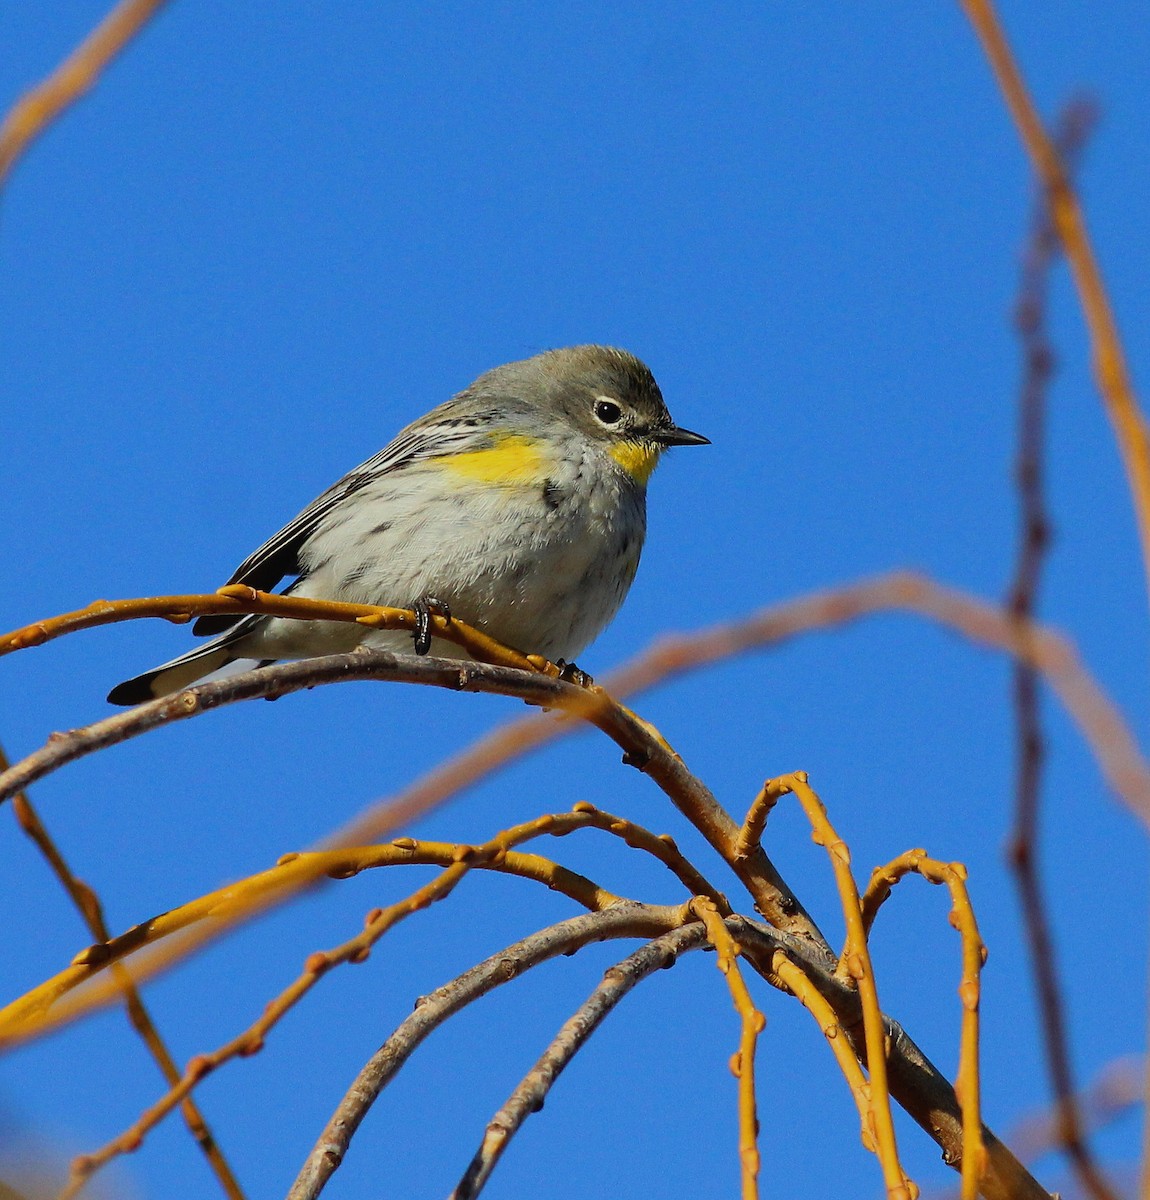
518,506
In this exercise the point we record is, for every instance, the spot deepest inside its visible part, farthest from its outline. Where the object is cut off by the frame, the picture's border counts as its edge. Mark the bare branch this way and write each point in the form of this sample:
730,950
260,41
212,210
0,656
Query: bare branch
38,108
529,1095
1110,370
1041,252
563,938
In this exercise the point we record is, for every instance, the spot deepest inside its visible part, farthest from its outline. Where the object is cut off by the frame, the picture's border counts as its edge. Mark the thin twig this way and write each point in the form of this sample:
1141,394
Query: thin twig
1041,252
355,950
237,598
967,1084
530,1093
743,1060
1098,718
643,747
40,106
1110,370
915,1082
806,991
87,903
855,963
432,1010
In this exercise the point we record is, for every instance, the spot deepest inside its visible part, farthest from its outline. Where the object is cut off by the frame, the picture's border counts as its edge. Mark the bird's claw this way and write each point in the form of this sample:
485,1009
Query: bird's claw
424,608
570,673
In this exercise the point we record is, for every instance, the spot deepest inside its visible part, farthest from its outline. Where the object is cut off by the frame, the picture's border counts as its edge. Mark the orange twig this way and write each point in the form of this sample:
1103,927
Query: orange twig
743,1061
237,598
855,963
819,1007
967,1086
1110,368
38,108
457,860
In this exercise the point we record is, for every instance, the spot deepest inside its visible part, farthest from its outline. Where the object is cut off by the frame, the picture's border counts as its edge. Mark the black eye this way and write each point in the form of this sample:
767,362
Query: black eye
608,411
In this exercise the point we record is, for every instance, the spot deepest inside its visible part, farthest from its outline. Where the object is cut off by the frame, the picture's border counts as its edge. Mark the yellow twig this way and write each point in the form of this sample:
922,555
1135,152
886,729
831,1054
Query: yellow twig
1110,370
819,1007
40,106
855,963
39,1009
237,598
751,833
742,1062
966,1085
457,861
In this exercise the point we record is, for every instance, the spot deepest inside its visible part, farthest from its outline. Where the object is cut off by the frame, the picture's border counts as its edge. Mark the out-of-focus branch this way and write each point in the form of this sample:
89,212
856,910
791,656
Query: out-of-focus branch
91,910
318,964
643,747
1098,718
1110,370
41,1008
77,74
1041,252
1112,1094
529,1095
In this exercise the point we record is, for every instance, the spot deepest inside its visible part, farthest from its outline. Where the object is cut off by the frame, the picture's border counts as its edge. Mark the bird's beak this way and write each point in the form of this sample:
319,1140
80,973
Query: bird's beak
674,436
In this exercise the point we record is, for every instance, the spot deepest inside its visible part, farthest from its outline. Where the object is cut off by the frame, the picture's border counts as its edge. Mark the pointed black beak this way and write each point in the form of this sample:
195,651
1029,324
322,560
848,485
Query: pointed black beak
674,436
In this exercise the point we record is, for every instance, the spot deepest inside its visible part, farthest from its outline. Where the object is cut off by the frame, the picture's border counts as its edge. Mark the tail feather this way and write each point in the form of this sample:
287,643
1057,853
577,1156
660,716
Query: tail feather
172,676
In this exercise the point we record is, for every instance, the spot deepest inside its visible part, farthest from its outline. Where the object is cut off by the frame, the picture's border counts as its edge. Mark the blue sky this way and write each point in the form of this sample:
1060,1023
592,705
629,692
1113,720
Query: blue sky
268,240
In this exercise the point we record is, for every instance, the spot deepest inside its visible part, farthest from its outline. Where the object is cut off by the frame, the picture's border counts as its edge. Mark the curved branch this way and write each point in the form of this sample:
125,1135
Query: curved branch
631,920
530,1093
643,747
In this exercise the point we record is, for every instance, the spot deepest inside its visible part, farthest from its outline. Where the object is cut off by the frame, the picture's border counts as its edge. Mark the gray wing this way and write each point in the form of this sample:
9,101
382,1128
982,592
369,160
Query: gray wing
279,555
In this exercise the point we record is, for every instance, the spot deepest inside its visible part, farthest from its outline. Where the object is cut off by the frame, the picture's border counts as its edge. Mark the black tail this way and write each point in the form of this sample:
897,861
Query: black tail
178,673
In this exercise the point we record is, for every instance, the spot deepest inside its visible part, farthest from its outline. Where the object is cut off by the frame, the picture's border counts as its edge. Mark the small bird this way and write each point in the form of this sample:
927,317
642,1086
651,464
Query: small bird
519,507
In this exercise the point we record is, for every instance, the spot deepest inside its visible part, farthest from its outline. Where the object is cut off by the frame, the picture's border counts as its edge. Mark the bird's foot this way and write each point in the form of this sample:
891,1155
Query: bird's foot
424,608
570,673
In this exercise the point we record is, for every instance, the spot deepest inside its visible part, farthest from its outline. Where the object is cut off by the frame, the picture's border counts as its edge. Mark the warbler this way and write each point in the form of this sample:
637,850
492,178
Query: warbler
519,507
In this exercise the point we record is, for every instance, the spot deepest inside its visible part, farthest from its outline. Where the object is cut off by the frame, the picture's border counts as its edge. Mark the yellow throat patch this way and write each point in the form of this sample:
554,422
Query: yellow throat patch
638,459
514,460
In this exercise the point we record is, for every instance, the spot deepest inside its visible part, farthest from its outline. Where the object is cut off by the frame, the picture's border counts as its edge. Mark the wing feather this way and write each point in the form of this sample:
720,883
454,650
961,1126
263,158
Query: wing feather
278,557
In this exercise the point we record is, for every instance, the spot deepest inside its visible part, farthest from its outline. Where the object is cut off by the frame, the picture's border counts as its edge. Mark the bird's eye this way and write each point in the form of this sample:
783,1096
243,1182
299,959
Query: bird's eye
608,412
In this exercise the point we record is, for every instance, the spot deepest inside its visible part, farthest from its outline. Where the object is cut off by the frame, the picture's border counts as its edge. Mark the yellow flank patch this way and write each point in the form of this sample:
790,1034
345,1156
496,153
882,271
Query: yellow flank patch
638,459
514,460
